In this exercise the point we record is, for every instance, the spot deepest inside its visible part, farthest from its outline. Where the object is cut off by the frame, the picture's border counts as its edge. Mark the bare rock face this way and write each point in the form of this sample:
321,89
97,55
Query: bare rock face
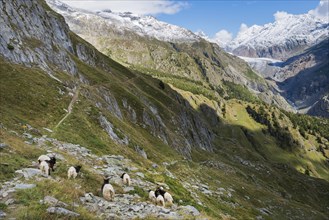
302,79
321,108
28,39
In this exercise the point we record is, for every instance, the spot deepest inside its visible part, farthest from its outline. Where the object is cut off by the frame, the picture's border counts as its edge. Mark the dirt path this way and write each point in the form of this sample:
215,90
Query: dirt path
70,107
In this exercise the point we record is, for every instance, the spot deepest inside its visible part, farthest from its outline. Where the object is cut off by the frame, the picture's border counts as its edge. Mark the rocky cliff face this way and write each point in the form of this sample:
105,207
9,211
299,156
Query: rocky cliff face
26,39
320,108
301,79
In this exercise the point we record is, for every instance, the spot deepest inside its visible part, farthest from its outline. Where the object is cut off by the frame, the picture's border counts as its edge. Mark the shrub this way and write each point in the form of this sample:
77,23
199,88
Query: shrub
161,85
10,47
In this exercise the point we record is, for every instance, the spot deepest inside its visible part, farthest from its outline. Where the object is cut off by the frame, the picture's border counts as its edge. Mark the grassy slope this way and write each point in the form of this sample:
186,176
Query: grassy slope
82,127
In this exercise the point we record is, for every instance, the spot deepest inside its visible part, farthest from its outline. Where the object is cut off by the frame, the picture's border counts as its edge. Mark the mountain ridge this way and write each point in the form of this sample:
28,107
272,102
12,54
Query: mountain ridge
285,37
198,60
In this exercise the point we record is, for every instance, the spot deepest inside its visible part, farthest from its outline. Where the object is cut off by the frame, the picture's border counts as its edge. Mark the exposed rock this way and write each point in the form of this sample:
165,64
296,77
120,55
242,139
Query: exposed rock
54,202
111,102
24,186
140,175
3,145
62,211
89,197
189,210
320,108
9,201
27,135
109,128
128,189
168,173
32,47
2,214
29,172
265,211
141,151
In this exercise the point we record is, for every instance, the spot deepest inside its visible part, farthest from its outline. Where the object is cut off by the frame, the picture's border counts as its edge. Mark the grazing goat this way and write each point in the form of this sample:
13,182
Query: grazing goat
73,171
107,190
125,179
43,158
160,200
44,167
159,191
168,198
52,160
152,196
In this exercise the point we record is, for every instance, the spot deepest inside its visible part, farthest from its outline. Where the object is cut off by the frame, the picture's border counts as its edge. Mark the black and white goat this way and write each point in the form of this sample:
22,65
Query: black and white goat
107,190
73,171
167,197
51,161
126,179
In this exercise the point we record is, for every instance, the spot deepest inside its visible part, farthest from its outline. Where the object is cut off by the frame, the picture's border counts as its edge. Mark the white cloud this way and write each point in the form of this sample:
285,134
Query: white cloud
322,11
138,7
223,37
243,27
280,15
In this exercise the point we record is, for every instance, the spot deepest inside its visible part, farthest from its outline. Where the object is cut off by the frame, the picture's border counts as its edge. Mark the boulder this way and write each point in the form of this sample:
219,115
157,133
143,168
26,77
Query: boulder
128,189
54,202
190,210
28,172
2,214
3,145
62,211
141,175
24,186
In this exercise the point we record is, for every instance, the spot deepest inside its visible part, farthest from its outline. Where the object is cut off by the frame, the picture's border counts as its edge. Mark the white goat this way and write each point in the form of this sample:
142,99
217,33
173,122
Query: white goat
152,196
107,190
43,158
73,172
168,198
44,167
160,200
125,179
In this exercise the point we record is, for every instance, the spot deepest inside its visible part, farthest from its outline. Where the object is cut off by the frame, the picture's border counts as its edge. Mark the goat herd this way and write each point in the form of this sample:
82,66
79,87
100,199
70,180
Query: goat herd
158,197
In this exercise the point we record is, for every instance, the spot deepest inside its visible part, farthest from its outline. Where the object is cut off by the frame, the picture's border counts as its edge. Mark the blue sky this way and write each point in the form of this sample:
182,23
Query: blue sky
221,18
212,16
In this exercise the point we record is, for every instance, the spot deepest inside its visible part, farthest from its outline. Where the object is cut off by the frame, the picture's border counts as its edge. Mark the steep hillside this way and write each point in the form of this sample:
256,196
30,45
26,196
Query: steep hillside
134,41
220,159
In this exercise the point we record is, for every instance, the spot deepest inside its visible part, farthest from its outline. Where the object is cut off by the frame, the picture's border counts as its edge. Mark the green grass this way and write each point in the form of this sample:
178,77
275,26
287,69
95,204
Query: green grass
40,103
240,92
140,191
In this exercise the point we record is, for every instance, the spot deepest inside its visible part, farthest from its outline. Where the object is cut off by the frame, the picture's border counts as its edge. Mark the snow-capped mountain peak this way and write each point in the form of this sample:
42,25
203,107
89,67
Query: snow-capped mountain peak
127,21
288,34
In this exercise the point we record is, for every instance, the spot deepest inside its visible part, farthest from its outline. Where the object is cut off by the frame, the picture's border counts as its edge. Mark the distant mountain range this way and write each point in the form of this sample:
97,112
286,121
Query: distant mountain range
287,36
